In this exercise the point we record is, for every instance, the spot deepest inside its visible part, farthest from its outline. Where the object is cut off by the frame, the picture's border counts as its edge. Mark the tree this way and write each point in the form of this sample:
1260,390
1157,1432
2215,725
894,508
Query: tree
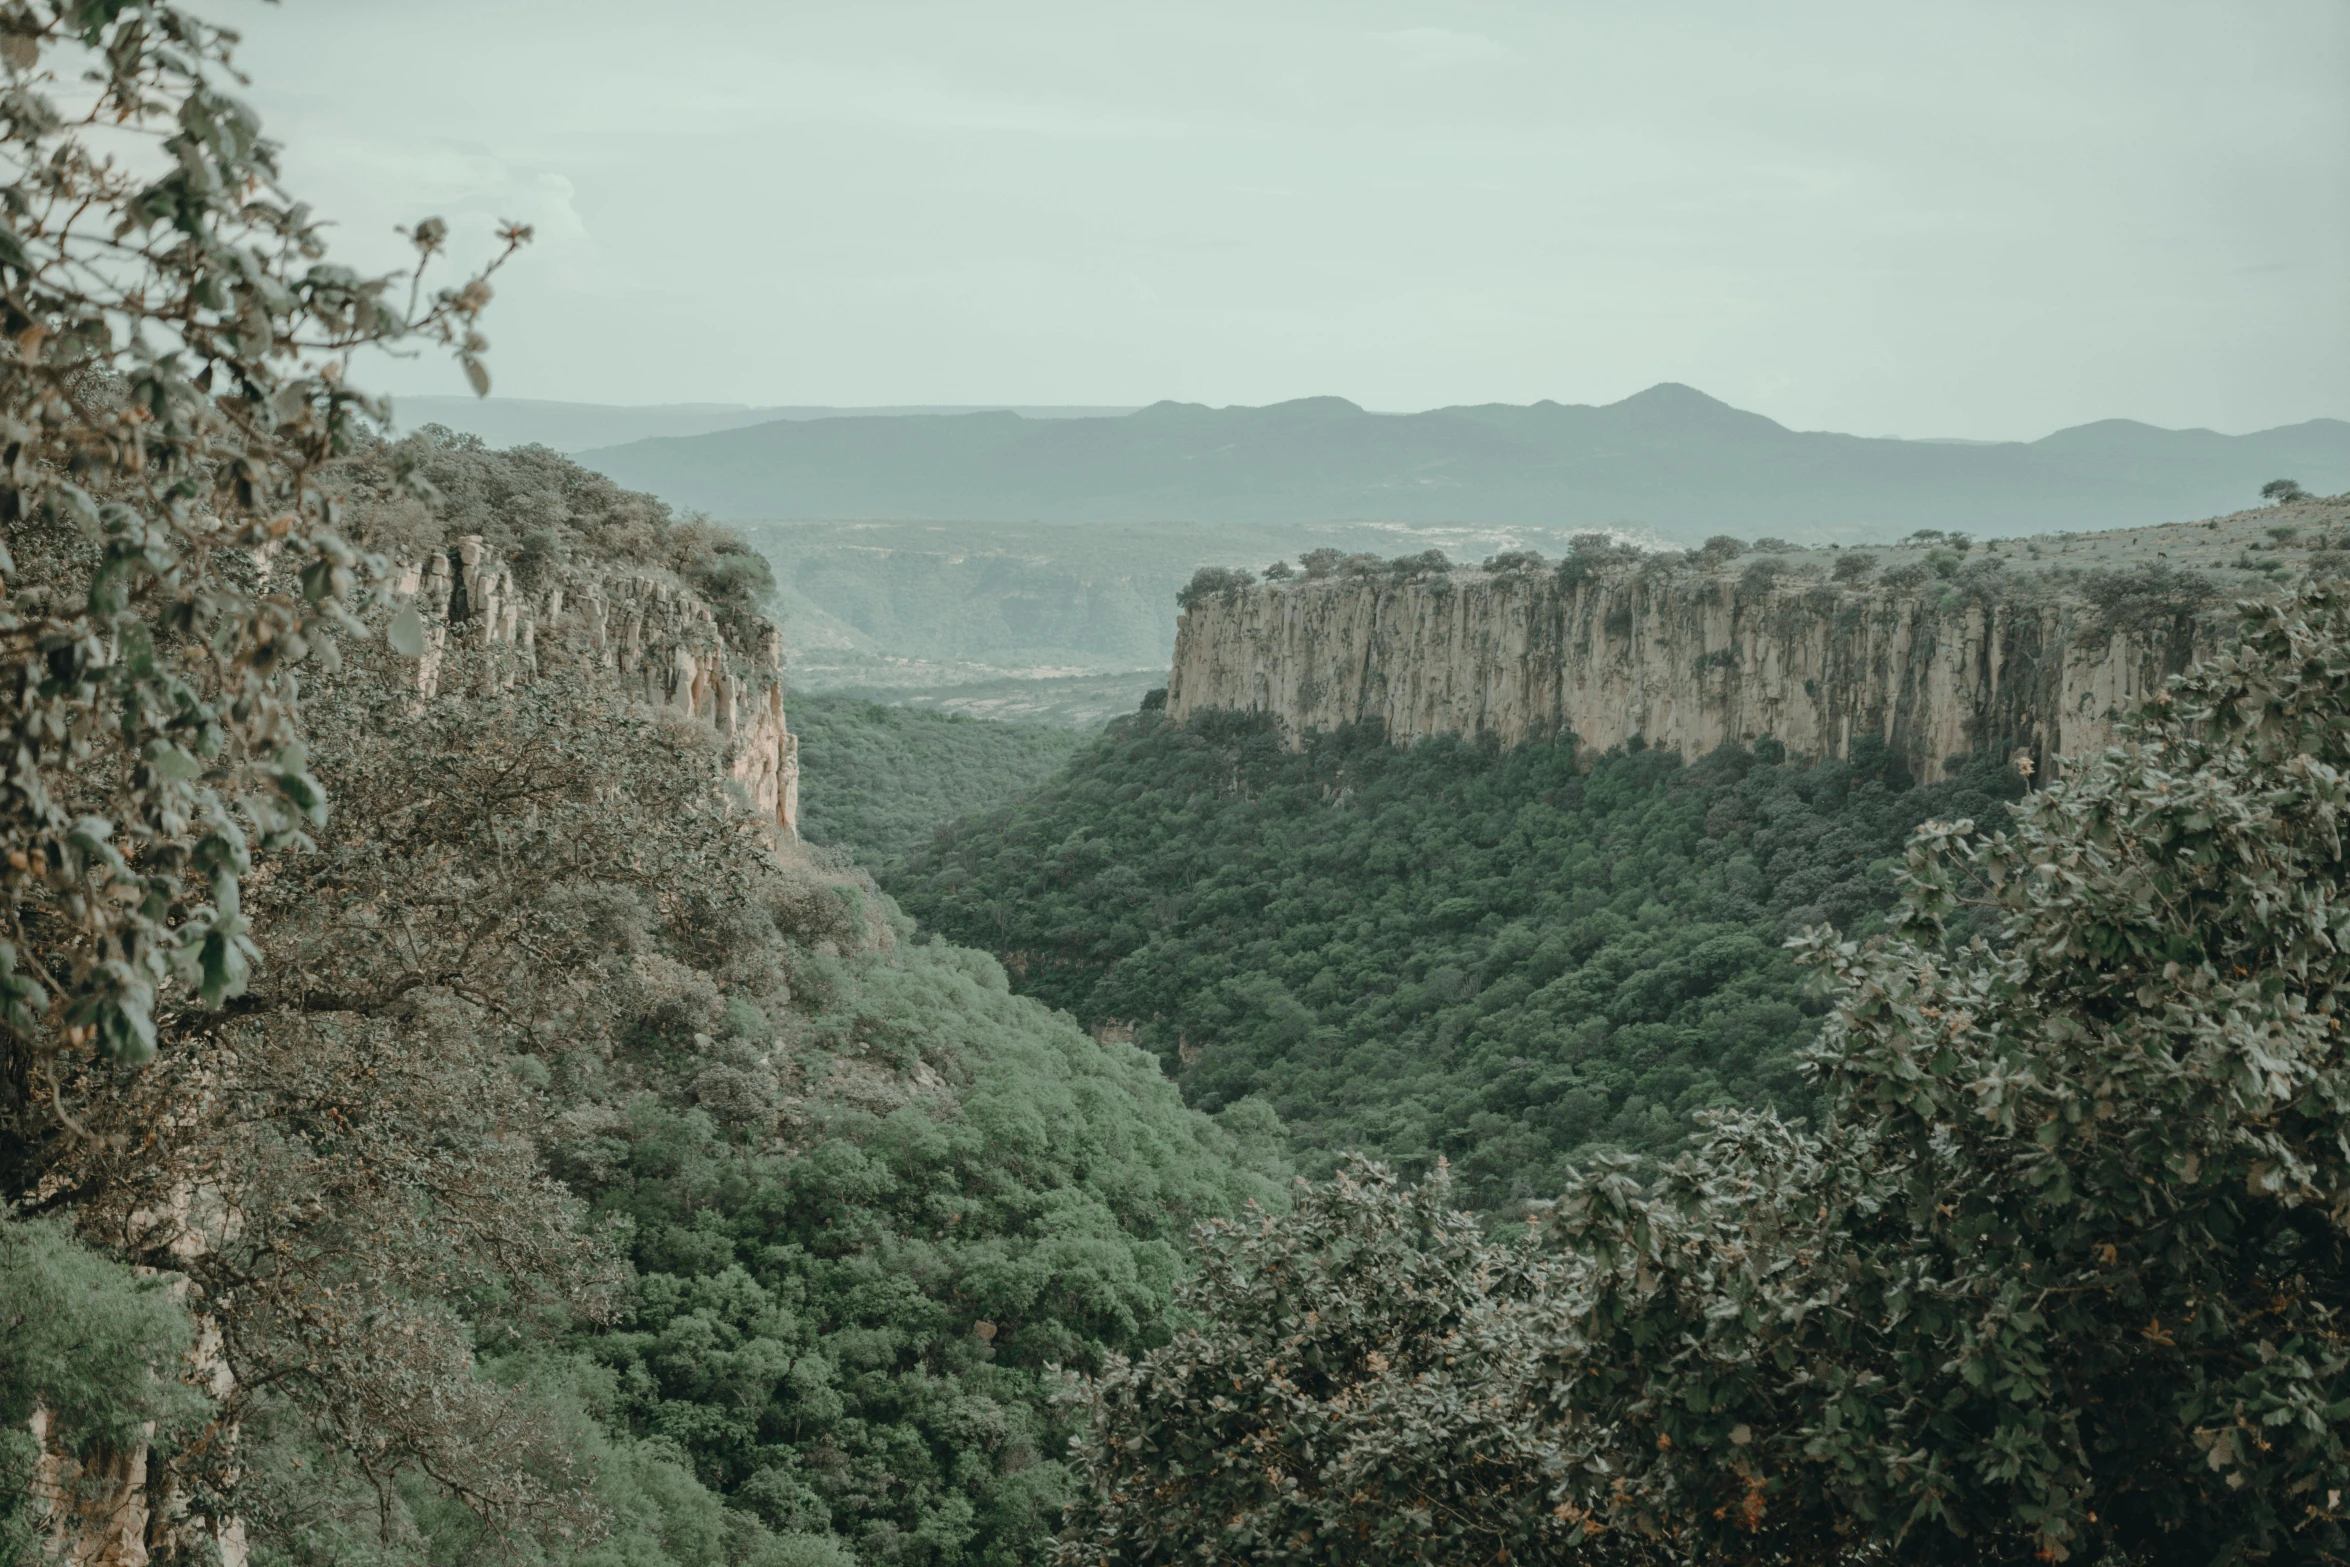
2282,492
173,380
2061,1276
1212,582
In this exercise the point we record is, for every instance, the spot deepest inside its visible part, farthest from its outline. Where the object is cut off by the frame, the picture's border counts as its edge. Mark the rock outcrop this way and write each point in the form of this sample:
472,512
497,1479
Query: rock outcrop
648,633
1676,657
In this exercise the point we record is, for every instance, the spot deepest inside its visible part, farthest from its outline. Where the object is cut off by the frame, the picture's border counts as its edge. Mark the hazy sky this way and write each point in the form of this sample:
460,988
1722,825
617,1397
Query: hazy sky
1958,218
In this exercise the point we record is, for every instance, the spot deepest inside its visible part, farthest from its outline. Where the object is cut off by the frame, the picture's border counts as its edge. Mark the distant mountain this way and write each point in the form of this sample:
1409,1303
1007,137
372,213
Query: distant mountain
571,427
1670,459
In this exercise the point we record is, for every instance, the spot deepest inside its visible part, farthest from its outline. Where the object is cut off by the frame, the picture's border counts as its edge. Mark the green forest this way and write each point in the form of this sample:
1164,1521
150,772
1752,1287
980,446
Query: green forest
876,781
1505,958
447,1115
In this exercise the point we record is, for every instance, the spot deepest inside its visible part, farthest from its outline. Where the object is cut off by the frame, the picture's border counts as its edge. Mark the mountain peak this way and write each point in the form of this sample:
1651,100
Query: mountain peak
1670,405
1673,394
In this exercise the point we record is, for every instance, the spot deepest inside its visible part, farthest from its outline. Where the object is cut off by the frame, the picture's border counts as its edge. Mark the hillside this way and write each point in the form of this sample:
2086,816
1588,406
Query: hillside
586,1169
1669,458
1509,958
878,780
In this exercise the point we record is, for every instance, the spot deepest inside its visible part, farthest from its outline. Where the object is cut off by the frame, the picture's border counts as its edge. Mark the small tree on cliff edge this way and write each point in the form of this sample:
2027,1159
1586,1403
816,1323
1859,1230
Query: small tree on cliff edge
173,357
2064,1276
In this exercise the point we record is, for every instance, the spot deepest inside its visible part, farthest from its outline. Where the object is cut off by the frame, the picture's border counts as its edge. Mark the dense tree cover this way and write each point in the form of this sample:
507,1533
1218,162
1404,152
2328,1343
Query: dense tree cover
87,1349
607,1183
174,357
1502,957
2061,1276
876,780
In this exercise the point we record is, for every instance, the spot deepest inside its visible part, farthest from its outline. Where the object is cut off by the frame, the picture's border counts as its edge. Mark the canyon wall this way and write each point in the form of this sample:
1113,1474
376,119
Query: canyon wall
652,637
1679,658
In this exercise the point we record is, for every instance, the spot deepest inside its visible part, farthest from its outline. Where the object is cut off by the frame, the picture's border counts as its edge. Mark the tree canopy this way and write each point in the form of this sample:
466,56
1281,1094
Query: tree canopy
2060,1276
1452,950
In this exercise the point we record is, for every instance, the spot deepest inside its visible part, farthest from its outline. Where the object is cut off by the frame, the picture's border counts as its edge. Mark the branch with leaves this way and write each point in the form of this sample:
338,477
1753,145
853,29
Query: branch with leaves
175,357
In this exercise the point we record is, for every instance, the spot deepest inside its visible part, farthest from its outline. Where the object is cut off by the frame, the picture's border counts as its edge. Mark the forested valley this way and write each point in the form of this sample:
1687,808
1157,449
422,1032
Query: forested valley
1505,958
451,1113
877,781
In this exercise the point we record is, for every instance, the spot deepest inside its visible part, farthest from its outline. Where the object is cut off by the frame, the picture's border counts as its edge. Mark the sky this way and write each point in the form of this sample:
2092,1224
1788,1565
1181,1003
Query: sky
1982,219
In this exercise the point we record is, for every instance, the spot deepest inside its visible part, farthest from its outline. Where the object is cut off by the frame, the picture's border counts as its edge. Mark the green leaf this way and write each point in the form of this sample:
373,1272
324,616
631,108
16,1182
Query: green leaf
169,761
406,632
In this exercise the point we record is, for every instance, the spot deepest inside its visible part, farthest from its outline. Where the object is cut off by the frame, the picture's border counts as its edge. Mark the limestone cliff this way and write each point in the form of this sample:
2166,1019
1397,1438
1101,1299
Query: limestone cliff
648,633
1678,657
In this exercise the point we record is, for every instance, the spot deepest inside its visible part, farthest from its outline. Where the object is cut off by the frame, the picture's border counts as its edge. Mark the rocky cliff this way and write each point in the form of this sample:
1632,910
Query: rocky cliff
644,631
1679,657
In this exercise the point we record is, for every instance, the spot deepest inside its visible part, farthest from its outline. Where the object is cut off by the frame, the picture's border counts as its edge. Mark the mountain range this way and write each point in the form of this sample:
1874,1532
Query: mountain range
1671,460
571,427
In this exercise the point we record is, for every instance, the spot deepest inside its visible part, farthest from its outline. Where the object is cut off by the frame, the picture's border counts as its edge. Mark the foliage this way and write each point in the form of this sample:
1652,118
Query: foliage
878,781
2282,492
2149,597
1224,582
543,512
1412,568
1590,553
564,1104
851,1329
1500,956
85,1338
171,382
96,1350
2061,1277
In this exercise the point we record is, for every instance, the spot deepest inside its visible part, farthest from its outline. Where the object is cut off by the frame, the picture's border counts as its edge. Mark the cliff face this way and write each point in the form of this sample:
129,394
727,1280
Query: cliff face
653,638
1684,660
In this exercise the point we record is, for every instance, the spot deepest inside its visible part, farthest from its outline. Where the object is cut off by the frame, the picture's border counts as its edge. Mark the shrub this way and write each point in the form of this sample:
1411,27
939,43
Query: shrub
1852,566
1209,582
2145,596
1514,562
1721,549
2282,492
1589,553
1411,568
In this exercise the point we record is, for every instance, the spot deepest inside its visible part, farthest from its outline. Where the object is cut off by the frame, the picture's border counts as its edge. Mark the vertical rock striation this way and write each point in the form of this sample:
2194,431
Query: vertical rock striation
646,632
1678,658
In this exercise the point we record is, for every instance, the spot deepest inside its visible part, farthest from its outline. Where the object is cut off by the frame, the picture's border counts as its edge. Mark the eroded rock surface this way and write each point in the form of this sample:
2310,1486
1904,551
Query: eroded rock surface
1685,660
653,636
